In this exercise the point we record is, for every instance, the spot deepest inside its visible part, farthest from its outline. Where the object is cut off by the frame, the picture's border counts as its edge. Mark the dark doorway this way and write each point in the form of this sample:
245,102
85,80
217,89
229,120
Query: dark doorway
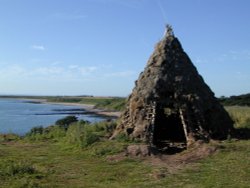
169,133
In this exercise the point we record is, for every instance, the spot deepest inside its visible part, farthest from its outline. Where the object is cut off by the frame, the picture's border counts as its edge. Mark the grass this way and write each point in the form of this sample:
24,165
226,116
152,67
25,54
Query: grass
228,168
51,164
116,104
108,103
240,115
52,159
64,167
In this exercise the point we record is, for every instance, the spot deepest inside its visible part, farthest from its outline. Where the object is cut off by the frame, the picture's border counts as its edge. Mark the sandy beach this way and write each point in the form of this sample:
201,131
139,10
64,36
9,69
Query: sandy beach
88,107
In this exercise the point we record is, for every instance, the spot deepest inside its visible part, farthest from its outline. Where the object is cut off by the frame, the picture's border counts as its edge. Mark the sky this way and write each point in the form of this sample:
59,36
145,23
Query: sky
99,47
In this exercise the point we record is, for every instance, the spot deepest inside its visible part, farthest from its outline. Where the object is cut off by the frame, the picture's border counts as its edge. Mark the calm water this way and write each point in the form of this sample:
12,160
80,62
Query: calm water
19,116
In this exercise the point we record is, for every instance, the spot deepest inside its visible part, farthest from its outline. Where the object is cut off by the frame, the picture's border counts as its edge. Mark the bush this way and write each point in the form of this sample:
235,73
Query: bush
81,134
65,122
11,168
54,132
36,130
105,128
9,137
36,133
40,133
89,138
75,134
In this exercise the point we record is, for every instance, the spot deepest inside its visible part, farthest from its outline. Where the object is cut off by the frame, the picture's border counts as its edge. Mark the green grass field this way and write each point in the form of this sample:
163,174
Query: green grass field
56,159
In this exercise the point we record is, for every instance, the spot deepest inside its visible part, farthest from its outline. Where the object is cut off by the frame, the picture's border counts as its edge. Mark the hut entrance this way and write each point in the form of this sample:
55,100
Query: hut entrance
169,132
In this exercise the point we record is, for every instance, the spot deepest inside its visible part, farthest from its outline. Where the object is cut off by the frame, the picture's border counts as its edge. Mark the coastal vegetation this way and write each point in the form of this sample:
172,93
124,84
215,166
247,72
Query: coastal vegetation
240,100
240,116
118,103
77,133
78,155
105,103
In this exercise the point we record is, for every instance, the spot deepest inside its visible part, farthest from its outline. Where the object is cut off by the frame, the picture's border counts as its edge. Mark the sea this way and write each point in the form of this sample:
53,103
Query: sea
18,116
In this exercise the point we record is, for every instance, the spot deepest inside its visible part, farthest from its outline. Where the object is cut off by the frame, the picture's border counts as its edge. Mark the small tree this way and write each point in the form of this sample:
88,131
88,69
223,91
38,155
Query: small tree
65,122
36,130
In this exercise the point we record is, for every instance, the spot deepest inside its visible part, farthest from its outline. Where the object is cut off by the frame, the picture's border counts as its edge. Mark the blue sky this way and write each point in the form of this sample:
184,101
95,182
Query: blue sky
99,47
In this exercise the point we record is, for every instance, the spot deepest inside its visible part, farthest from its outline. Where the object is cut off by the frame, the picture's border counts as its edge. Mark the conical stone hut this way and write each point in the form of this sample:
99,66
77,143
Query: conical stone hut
171,105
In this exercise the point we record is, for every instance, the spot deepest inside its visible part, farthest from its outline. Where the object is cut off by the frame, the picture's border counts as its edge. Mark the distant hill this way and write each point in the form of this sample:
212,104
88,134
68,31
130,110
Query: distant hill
241,100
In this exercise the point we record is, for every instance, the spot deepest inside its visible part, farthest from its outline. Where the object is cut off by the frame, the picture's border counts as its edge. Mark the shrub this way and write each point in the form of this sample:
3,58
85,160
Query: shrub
11,168
81,134
36,133
36,130
84,134
105,128
54,132
9,137
65,122
75,133
40,133
89,138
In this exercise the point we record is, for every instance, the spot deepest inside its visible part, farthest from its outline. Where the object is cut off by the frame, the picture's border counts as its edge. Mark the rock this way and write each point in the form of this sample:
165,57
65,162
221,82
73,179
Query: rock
141,150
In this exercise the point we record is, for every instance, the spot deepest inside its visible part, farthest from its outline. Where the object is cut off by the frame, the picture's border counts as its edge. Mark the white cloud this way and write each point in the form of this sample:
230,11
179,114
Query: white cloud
73,66
54,72
240,55
38,47
56,63
244,54
198,60
242,75
126,73
12,70
58,79
87,70
48,71
82,70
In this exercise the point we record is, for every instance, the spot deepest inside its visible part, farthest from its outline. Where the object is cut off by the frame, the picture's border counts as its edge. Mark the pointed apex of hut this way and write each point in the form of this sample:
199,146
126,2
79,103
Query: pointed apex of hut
170,103
169,31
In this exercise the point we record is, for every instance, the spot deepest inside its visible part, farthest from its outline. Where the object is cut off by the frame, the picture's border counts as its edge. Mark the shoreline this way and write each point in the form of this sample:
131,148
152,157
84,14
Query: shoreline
88,107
